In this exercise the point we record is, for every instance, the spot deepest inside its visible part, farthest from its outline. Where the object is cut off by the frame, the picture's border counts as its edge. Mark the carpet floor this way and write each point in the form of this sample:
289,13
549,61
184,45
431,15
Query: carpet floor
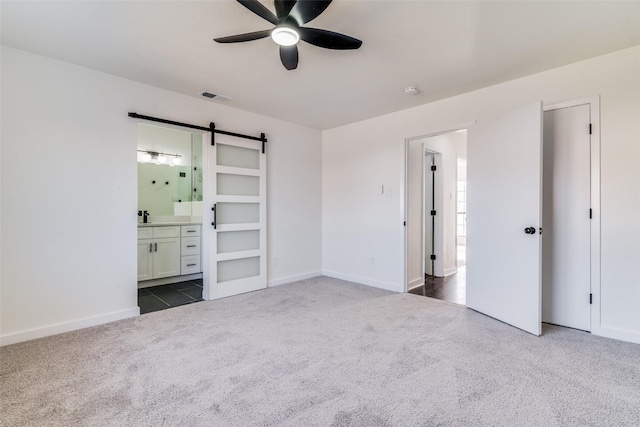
319,352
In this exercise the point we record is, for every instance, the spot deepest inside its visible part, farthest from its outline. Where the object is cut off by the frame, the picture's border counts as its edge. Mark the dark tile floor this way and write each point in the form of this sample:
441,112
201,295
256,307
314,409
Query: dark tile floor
166,296
451,288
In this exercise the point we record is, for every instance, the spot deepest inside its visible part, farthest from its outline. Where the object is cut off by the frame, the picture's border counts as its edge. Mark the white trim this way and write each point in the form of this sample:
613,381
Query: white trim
594,119
207,217
450,271
404,203
438,232
464,126
295,278
582,101
617,334
394,287
239,227
223,139
239,199
169,280
63,327
226,256
416,283
237,171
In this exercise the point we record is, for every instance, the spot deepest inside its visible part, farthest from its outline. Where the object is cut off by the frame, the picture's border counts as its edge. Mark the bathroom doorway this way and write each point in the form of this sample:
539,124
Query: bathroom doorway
170,212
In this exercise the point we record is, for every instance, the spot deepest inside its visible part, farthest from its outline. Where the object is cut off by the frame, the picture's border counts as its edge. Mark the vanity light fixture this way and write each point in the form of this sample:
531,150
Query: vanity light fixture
147,156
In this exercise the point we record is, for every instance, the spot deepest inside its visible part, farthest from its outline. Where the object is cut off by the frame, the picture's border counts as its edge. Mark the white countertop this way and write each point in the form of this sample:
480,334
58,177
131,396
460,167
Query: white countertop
162,224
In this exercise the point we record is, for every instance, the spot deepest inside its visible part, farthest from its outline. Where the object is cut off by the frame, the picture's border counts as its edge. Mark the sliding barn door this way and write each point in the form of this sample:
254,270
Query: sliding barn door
504,210
238,217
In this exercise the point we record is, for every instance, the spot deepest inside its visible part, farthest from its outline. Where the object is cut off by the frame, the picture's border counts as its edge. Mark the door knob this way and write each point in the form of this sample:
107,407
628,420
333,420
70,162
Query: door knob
530,230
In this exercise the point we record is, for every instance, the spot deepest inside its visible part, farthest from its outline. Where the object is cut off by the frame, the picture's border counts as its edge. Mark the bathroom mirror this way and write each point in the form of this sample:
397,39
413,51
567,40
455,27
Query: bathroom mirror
169,172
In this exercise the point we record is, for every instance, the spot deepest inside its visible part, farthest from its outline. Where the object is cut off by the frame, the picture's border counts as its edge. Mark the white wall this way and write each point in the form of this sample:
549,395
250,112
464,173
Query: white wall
69,192
171,199
415,207
358,224
166,140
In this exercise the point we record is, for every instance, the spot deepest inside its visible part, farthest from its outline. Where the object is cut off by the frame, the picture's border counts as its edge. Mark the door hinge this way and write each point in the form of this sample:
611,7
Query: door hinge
590,213
590,129
433,168
433,213
590,298
433,257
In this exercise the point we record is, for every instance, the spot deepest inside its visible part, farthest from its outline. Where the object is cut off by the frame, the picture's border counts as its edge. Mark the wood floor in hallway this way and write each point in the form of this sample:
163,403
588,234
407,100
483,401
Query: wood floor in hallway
450,288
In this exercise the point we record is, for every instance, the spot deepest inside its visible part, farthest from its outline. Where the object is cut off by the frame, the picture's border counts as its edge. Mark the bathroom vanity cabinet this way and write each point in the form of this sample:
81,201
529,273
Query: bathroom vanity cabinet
168,251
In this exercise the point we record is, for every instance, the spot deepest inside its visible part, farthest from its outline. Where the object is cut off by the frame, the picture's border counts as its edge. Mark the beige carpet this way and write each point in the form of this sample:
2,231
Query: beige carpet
319,352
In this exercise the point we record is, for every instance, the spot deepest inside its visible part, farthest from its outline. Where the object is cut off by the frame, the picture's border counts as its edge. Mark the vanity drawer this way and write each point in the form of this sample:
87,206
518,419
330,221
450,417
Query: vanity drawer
145,233
190,264
190,230
161,232
190,246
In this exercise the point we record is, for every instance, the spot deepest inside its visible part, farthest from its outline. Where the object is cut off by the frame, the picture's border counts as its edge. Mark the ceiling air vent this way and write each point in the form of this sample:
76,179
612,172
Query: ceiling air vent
215,97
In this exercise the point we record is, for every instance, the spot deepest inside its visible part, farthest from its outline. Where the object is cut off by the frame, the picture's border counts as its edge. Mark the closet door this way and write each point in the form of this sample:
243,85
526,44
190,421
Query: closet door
238,217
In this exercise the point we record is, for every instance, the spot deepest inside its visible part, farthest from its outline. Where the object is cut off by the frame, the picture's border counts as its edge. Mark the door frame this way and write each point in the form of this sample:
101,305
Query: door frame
405,206
438,226
594,118
204,231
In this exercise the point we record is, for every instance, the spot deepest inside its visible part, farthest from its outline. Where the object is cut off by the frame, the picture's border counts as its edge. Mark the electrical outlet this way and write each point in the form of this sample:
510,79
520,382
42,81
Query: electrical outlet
274,261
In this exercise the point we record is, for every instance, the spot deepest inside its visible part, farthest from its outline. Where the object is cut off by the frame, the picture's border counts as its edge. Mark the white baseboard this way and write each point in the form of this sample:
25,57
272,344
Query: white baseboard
450,271
73,325
295,278
415,283
169,280
395,287
617,334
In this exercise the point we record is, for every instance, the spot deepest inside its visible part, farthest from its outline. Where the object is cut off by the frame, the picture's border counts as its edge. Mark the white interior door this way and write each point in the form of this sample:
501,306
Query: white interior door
238,238
504,198
566,242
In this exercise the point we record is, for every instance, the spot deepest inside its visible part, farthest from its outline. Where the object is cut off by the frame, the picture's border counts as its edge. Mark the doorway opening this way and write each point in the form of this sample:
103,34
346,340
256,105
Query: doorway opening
170,211
517,190
436,205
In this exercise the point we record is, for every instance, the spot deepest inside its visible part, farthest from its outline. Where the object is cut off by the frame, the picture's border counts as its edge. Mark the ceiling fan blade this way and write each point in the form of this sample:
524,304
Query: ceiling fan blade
307,10
289,57
329,39
283,7
256,7
246,37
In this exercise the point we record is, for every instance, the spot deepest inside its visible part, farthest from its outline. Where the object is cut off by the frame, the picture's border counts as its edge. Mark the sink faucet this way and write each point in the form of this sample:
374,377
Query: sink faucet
144,215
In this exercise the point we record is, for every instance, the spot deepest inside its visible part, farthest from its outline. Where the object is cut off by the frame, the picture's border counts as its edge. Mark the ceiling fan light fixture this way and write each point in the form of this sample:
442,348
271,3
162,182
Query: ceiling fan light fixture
285,36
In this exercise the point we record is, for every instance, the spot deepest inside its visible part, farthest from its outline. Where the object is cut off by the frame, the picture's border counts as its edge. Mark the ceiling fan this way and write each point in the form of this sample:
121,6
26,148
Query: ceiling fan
288,20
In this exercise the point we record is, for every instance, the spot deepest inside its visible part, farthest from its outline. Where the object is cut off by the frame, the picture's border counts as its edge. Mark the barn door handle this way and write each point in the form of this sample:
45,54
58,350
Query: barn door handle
530,230
214,215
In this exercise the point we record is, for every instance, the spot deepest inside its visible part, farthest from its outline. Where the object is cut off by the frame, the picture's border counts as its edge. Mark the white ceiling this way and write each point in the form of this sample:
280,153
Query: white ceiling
443,47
